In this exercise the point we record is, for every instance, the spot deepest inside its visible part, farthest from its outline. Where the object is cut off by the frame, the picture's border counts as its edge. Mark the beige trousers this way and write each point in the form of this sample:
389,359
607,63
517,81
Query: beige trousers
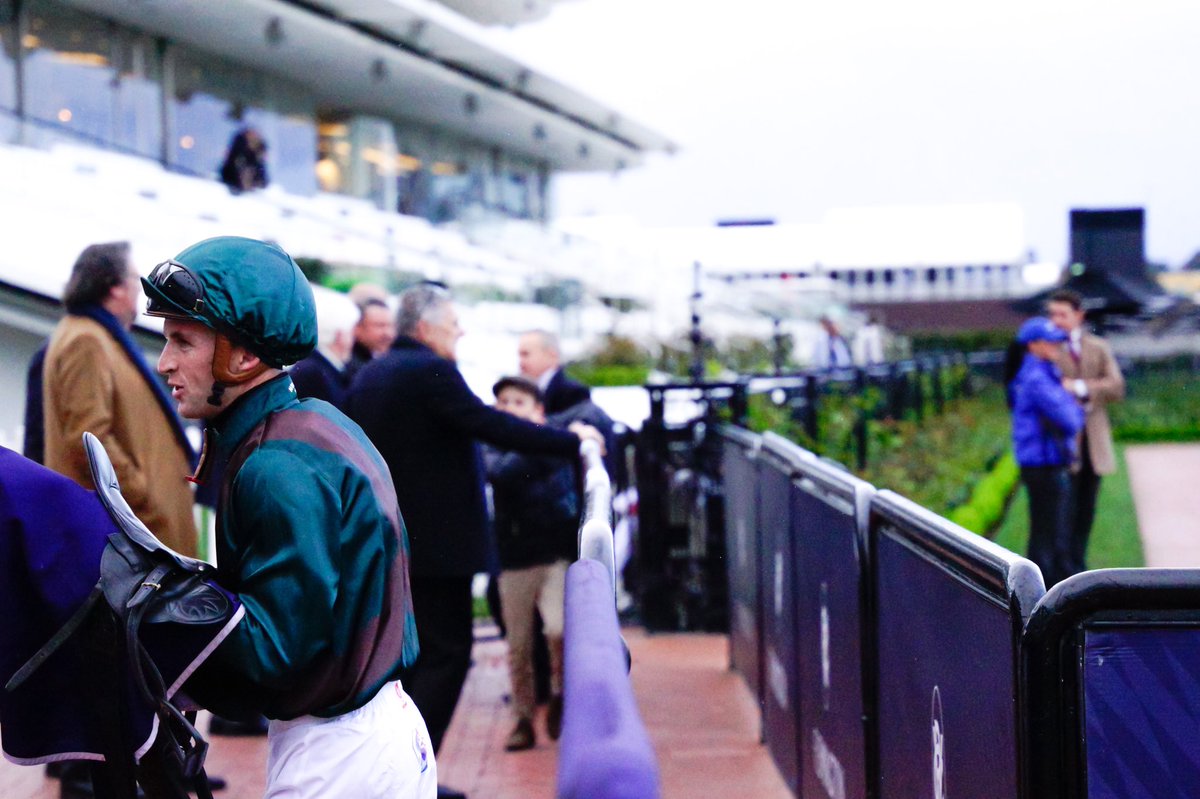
522,590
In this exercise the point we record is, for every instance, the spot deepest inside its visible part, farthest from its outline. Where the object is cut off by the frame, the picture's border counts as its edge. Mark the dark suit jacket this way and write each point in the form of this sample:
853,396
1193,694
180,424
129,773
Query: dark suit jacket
317,377
418,411
562,392
35,436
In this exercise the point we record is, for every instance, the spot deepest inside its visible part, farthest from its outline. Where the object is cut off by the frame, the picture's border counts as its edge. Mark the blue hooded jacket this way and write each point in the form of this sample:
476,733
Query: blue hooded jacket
1045,417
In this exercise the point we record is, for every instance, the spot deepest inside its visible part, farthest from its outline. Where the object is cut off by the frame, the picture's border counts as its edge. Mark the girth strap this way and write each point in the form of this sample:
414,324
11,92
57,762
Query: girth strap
56,641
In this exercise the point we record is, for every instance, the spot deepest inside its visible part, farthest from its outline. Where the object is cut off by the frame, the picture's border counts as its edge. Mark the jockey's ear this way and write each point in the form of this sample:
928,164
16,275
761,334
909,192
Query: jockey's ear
234,364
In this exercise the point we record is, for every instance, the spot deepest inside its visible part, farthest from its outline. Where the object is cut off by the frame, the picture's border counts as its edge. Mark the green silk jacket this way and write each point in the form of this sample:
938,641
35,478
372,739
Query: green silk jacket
309,535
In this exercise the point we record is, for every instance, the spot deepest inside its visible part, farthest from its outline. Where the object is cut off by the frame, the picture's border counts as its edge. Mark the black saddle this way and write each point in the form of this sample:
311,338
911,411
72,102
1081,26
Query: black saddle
142,581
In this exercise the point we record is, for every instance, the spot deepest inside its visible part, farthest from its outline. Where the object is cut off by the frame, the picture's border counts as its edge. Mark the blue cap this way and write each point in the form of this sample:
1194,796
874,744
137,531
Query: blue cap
1039,328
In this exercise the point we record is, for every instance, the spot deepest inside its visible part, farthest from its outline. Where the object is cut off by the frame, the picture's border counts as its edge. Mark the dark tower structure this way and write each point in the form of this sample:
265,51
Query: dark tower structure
1108,264
1112,241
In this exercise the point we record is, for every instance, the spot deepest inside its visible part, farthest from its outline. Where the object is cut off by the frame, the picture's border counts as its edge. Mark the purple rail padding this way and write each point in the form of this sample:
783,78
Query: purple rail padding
605,752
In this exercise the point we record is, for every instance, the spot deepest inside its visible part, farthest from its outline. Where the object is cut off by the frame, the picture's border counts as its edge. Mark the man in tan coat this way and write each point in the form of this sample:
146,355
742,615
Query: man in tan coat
1091,373
96,380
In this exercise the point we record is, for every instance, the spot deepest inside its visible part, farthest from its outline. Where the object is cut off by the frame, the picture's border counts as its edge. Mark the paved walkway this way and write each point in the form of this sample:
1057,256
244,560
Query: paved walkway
1165,481
699,714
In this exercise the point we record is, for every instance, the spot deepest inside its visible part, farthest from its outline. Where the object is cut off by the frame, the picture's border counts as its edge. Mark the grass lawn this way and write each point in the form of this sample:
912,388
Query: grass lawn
1115,541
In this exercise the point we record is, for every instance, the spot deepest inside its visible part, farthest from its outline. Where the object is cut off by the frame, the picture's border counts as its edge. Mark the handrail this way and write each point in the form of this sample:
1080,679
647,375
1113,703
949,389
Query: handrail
596,526
605,752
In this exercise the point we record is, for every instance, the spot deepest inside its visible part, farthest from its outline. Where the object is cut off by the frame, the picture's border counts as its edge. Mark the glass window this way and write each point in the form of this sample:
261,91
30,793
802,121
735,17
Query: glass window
214,100
453,188
357,156
290,130
515,195
8,70
87,79
207,111
137,94
8,56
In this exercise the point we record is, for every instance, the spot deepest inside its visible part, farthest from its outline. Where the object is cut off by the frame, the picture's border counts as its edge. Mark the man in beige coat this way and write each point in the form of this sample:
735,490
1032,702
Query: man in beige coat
96,380
1091,373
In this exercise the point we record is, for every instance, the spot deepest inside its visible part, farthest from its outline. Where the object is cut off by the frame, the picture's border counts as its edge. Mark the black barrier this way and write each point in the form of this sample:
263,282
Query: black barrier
777,610
739,468
678,572
1112,669
948,612
828,514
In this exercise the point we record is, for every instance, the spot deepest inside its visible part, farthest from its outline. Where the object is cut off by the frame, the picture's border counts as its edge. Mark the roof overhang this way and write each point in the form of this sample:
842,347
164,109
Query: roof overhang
406,59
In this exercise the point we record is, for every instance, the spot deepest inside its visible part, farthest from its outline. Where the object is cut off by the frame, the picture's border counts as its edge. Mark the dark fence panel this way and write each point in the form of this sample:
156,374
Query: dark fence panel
949,608
777,603
739,467
828,510
1112,662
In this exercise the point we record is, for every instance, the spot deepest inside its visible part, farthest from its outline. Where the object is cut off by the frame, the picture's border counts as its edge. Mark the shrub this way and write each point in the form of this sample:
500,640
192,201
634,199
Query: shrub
315,269
934,462
984,511
617,361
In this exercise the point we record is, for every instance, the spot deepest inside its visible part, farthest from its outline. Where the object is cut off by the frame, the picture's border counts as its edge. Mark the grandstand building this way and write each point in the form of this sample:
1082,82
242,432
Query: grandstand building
398,137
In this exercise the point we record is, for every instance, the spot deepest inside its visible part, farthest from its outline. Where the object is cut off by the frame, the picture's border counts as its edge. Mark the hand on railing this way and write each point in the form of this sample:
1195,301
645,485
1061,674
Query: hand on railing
595,529
587,433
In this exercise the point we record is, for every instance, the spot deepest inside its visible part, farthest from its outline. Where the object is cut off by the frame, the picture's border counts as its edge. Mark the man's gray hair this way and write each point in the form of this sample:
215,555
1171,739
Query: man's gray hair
421,302
546,340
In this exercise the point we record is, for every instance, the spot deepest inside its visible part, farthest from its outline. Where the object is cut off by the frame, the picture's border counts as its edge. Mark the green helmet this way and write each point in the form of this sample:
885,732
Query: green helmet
247,290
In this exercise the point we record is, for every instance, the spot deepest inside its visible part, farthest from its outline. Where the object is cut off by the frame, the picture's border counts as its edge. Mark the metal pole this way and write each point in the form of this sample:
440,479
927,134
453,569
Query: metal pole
697,370
777,341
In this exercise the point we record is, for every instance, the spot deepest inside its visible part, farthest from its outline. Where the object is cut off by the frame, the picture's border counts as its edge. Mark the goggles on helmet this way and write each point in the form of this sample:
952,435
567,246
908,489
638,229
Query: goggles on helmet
178,285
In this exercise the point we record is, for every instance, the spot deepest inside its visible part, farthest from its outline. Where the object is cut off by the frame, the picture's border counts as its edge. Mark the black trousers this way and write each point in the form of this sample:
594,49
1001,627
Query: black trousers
1049,490
442,606
1085,488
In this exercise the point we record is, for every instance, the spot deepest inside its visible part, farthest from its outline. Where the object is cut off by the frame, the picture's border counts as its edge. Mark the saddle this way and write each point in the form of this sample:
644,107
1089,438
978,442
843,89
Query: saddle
142,582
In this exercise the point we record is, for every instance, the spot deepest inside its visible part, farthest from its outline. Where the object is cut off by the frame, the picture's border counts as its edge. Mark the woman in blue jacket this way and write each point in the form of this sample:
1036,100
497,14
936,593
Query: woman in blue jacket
1046,420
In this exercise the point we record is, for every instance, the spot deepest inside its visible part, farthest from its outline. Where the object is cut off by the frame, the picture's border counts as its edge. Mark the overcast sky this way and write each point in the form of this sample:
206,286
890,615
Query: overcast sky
787,108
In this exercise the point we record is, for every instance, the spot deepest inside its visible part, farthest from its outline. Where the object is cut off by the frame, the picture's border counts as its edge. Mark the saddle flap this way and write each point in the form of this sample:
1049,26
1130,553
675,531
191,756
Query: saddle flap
108,488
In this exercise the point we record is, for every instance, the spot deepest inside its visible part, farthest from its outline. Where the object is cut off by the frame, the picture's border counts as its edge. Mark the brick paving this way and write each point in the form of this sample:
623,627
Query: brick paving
1163,478
700,716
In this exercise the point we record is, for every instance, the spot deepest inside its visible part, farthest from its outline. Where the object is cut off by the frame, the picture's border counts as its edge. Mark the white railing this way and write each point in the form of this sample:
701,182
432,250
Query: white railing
596,527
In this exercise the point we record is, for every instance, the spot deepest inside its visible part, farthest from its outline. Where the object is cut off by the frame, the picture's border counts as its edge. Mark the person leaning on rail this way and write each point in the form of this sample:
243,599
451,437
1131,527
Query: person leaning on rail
537,507
418,410
1045,422
309,535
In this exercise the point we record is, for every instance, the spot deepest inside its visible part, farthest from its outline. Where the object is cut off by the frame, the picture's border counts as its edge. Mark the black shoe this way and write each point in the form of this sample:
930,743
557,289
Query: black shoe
449,793
554,717
221,726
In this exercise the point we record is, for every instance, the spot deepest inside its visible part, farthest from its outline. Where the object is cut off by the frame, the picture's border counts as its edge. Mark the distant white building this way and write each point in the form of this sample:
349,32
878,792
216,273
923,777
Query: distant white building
881,254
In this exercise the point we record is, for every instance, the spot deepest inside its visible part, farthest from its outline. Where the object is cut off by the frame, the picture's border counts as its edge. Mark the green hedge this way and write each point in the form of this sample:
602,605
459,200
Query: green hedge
988,503
616,374
935,462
